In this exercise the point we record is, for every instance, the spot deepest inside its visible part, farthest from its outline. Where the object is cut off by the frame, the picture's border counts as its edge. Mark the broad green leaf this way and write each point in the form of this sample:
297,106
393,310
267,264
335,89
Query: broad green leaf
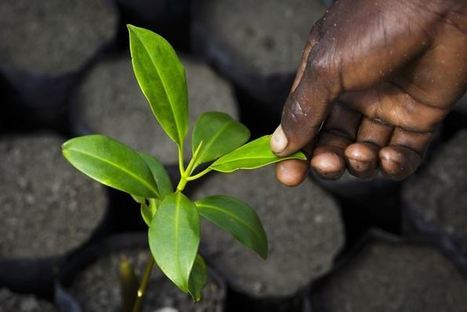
237,218
161,77
220,135
252,155
174,238
198,277
111,163
164,185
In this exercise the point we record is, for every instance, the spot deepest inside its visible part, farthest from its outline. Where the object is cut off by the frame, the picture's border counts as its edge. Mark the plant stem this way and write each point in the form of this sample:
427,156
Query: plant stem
185,173
180,160
181,185
199,175
144,284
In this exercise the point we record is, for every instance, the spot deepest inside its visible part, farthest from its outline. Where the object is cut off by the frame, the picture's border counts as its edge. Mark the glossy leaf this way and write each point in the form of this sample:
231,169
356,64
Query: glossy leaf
111,163
252,155
160,175
161,77
220,135
198,278
174,237
237,218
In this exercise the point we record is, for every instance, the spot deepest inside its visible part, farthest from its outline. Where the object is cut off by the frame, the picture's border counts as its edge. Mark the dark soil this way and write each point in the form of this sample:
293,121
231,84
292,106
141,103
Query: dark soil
265,37
97,288
390,276
303,226
53,36
11,302
438,195
47,207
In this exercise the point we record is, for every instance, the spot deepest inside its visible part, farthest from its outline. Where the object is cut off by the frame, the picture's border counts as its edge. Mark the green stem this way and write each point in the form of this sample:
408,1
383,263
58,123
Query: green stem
180,160
181,185
185,174
144,284
190,168
199,175
193,162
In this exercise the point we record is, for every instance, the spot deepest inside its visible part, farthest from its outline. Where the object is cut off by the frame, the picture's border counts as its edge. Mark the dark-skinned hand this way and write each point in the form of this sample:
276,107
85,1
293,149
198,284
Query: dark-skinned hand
376,78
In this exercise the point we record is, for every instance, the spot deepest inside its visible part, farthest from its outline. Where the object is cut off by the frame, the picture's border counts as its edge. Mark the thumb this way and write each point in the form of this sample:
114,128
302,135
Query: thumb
307,105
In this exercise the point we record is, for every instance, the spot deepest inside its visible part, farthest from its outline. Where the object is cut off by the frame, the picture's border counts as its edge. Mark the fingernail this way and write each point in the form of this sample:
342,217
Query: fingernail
278,140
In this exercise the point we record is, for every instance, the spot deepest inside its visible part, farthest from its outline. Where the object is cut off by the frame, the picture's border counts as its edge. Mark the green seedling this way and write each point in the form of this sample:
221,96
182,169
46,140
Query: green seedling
219,143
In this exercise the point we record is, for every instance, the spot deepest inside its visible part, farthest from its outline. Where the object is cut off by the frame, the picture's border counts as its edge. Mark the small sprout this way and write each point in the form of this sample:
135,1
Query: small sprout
217,140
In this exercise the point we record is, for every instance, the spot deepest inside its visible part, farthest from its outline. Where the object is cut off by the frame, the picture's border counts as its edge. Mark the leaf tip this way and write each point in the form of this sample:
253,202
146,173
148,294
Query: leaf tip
263,249
134,31
264,253
131,28
301,156
64,146
195,297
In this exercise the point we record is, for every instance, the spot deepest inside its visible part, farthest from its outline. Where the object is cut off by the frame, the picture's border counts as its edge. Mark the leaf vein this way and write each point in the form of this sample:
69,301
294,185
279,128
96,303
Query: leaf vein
167,95
207,146
257,234
136,177
176,220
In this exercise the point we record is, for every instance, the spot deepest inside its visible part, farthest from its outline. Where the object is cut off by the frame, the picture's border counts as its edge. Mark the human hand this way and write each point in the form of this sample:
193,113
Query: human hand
375,79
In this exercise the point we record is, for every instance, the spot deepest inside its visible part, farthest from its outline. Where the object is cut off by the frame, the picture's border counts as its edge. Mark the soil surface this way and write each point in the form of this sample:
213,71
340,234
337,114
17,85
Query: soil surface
394,277
438,195
304,230
266,36
53,36
10,302
47,207
97,288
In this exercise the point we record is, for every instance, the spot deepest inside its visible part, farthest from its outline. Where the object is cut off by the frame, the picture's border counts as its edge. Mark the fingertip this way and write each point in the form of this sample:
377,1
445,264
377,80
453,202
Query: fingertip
360,152
328,165
291,172
362,160
278,140
398,162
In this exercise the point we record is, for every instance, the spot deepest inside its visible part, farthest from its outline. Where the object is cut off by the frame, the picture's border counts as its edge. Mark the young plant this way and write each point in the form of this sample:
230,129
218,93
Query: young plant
218,142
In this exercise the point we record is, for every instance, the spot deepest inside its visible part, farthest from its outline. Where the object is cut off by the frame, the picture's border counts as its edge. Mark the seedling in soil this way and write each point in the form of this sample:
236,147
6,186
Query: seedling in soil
218,143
